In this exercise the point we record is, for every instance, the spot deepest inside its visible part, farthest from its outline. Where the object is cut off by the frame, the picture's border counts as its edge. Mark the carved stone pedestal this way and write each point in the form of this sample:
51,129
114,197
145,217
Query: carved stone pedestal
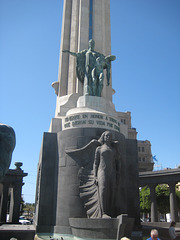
113,228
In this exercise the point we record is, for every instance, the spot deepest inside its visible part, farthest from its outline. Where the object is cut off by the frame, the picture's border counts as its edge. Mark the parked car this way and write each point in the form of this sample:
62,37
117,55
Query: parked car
162,220
30,219
24,221
145,219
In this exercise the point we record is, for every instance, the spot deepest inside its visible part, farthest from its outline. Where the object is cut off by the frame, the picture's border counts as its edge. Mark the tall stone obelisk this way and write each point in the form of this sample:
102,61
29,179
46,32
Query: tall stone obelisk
81,121
82,20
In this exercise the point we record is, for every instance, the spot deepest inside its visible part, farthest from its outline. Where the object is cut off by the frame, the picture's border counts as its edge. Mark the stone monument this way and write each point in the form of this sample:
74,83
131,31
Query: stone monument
87,183
7,145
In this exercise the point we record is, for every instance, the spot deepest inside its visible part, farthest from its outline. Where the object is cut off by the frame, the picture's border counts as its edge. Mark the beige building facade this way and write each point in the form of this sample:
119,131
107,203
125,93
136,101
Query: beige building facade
145,160
145,156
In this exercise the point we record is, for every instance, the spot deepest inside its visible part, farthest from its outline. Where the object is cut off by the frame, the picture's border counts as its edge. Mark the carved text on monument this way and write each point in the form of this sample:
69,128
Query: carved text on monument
91,119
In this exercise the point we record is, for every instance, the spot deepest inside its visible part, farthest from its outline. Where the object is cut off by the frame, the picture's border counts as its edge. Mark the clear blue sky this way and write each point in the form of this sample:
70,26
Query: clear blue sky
146,74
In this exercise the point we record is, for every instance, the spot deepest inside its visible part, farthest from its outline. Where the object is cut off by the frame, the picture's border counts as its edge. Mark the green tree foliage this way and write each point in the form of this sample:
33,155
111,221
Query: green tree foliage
145,202
28,209
162,198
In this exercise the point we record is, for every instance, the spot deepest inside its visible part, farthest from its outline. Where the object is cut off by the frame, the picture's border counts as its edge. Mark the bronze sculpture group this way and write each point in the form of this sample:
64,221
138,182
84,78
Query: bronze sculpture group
89,69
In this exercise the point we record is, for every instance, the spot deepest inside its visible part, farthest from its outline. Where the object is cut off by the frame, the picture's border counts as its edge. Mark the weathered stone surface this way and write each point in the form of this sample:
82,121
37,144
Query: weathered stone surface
46,197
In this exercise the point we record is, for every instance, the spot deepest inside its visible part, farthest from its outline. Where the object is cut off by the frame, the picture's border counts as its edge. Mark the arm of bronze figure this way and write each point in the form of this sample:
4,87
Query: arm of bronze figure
72,53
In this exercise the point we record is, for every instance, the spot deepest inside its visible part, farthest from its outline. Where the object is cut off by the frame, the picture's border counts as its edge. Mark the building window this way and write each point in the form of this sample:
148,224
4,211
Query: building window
139,149
123,121
142,149
143,159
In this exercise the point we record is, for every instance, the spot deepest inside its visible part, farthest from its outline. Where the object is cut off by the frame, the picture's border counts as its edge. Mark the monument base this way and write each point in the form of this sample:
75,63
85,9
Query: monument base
58,173
94,228
113,228
88,228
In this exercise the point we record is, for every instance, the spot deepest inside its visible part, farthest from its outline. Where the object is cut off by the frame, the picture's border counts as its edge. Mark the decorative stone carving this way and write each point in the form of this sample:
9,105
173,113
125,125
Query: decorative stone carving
89,69
18,165
99,161
7,145
55,85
